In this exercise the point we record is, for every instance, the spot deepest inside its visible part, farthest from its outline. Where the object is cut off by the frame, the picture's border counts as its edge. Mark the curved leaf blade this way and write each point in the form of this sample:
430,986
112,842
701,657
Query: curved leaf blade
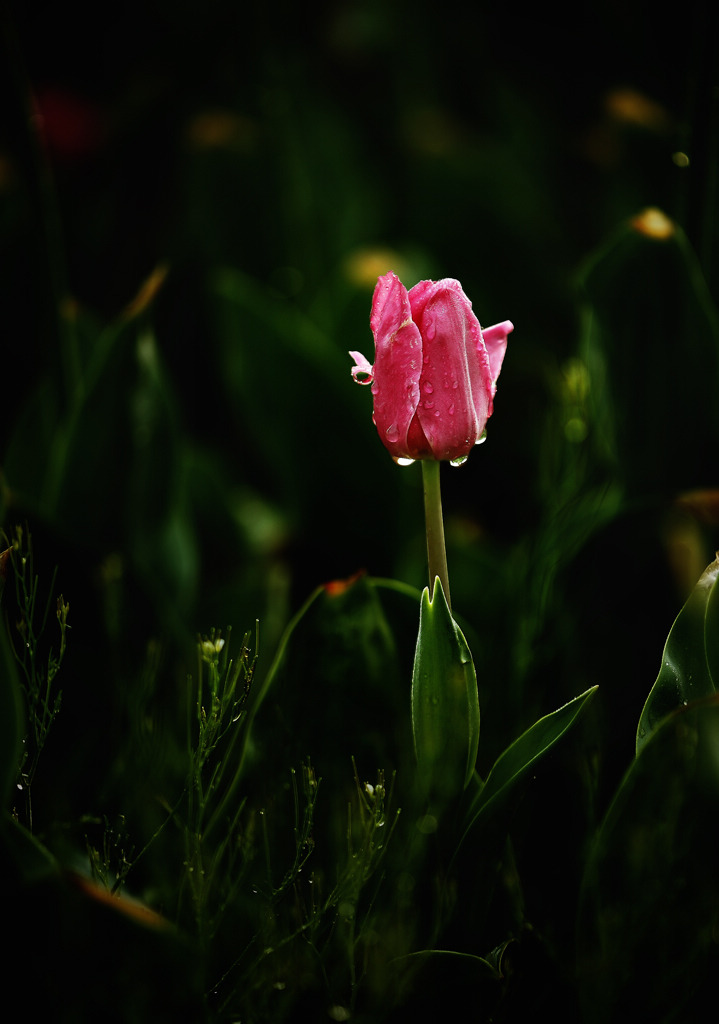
690,661
646,933
514,763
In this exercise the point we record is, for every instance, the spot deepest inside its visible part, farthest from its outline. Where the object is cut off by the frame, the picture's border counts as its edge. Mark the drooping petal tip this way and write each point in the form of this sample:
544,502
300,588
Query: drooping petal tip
495,340
363,371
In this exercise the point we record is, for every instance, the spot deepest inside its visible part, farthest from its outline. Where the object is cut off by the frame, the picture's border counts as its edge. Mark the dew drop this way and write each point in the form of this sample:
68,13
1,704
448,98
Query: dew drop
430,330
459,461
374,389
429,404
392,432
451,409
482,438
404,462
427,387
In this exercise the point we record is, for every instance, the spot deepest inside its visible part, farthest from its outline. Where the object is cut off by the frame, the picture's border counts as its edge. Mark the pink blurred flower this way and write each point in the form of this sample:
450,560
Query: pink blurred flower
435,370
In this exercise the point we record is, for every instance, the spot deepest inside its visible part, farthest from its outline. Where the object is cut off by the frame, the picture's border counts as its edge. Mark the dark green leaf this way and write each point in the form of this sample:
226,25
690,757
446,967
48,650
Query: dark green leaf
690,662
445,703
515,762
650,898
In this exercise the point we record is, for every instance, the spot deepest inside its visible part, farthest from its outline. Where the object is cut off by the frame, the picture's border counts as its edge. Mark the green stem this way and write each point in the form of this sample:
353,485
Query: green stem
436,551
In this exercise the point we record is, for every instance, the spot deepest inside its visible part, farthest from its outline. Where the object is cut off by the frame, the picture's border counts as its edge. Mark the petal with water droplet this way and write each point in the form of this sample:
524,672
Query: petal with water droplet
456,360
363,371
398,349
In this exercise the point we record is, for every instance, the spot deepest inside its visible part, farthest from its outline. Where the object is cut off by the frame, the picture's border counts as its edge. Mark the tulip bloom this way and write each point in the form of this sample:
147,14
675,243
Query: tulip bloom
435,370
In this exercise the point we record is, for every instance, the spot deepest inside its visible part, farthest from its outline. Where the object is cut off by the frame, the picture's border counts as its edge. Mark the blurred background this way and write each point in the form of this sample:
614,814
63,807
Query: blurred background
195,204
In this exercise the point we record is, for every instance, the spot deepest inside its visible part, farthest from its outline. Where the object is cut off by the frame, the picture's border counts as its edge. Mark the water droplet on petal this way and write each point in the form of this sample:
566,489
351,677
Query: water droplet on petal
451,410
404,462
459,461
430,330
427,387
392,432
482,438
429,404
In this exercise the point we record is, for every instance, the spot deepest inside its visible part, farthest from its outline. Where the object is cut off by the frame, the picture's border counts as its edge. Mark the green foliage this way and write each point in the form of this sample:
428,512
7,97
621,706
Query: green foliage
647,930
690,661
445,704
37,660
214,870
340,654
112,858
520,758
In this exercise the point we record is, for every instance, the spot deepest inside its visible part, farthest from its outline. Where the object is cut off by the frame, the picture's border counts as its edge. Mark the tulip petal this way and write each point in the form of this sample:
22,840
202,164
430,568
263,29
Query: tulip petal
495,340
397,365
362,372
456,382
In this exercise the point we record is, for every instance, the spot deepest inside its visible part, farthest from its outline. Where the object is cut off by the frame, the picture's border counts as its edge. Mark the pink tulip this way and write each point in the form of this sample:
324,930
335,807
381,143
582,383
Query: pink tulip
435,370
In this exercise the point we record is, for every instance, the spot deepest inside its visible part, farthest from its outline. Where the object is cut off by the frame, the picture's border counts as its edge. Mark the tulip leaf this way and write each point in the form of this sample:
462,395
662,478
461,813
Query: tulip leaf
513,764
445,702
648,908
690,662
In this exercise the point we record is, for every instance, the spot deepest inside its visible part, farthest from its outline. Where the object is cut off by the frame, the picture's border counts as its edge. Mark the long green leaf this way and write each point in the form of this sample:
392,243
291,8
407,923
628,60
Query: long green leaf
514,763
690,662
646,937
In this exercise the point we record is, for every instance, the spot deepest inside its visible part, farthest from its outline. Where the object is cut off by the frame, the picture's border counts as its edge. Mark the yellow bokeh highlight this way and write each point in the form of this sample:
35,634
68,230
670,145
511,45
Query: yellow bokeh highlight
653,223
363,266
630,106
